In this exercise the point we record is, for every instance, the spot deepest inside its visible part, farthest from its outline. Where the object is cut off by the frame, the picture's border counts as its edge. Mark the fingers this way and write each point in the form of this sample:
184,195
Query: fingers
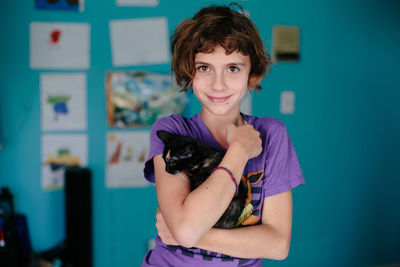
163,230
247,137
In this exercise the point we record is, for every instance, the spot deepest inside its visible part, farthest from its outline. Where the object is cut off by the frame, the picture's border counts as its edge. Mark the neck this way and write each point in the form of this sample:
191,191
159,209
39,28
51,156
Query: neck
217,124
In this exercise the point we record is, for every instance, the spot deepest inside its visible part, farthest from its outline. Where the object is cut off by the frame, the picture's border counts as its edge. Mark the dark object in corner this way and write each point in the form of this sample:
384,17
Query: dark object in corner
78,216
76,249
8,234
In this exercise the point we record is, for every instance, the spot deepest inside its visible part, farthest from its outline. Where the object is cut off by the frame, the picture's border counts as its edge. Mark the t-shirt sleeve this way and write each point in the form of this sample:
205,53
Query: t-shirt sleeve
282,170
156,145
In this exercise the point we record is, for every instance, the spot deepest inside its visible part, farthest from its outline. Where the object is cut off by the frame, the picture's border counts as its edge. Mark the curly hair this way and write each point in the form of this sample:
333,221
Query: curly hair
213,26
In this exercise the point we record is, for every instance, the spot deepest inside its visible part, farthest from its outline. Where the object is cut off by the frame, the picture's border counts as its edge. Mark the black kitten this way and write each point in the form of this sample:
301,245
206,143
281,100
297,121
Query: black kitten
187,155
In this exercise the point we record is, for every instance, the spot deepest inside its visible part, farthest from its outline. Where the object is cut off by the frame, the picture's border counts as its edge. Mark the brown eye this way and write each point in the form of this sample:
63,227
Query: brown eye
234,69
203,68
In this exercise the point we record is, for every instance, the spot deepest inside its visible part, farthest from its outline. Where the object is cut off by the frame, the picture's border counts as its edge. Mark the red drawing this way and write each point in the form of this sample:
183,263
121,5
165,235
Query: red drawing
55,36
116,154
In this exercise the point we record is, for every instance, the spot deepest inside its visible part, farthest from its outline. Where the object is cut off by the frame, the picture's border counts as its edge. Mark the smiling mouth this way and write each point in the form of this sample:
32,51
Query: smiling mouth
218,99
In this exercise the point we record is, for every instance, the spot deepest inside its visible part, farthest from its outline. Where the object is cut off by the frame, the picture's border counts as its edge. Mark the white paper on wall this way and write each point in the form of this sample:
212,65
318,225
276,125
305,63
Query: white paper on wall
63,101
59,45
58,152
137,3
139,41
126,155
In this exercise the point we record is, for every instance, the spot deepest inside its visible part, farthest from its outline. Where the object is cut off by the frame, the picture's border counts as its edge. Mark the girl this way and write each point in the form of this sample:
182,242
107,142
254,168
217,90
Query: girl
219,54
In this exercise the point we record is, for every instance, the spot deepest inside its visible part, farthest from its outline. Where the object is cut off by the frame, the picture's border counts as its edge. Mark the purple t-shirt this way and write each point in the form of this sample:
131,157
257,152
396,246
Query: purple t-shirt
274,171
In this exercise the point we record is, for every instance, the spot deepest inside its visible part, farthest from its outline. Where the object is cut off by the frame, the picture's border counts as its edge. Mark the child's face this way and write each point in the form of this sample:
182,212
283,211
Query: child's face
221,80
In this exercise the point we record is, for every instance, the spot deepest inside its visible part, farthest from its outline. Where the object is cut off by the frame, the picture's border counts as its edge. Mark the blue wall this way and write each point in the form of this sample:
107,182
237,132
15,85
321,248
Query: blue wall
346,129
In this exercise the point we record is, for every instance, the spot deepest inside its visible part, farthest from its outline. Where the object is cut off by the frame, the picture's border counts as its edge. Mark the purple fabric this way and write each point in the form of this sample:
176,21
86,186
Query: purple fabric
274,171
174,256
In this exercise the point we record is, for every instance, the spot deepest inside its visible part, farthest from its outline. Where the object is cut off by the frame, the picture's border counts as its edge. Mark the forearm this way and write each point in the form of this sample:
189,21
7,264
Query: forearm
260,241
270,240
203,207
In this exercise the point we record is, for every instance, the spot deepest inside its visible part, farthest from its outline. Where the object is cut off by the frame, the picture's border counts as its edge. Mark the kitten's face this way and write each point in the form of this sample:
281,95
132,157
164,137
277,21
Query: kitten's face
178,157
179,152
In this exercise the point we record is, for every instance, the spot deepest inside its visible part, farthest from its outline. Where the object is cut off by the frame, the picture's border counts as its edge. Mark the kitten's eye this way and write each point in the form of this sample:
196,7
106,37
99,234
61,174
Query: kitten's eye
191,149
203,68
234,69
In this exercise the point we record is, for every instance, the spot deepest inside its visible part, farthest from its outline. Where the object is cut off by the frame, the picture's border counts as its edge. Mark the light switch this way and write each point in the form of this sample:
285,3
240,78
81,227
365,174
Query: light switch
287,102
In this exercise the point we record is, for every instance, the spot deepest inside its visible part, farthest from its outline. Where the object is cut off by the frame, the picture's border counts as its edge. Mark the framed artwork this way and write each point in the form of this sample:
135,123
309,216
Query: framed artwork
139,98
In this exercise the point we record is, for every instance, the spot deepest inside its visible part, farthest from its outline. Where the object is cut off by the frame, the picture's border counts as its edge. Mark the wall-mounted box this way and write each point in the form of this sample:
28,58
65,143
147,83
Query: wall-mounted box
285,43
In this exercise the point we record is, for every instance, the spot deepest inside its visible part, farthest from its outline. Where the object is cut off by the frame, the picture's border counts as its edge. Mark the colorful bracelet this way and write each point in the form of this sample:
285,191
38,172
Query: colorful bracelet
230,173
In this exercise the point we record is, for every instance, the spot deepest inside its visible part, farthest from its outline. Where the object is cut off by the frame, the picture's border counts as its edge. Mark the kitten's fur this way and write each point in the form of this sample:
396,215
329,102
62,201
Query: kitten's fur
187,155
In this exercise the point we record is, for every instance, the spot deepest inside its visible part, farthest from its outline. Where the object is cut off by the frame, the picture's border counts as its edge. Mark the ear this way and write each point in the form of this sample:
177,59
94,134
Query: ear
164,136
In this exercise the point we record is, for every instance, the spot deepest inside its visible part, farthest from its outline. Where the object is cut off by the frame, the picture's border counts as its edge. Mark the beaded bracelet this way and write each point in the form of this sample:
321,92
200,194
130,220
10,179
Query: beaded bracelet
230,173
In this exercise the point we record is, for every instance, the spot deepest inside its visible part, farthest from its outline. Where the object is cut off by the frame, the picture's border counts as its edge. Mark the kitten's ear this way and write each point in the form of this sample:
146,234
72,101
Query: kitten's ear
164,136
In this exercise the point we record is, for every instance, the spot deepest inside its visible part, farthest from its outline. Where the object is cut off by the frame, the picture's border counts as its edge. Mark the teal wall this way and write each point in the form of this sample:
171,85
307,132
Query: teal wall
346,129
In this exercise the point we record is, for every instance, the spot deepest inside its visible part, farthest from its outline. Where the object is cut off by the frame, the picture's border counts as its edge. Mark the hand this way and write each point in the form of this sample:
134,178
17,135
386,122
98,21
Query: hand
245,136
163,230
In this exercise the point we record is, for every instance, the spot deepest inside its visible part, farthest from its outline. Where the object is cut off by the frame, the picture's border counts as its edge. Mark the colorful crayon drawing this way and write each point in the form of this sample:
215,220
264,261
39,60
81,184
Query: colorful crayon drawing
58,46
126,155
63,101
70,5
58,153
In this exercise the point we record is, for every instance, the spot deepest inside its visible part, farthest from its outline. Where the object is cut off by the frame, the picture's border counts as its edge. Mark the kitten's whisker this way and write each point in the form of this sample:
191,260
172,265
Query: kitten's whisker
183,175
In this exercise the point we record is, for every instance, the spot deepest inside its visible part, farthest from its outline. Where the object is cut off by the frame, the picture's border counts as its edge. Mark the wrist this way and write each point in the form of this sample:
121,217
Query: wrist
238,149
235,160
231,175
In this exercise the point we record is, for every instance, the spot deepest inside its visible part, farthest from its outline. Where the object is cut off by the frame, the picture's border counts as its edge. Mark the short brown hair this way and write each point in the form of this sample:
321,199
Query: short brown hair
212,26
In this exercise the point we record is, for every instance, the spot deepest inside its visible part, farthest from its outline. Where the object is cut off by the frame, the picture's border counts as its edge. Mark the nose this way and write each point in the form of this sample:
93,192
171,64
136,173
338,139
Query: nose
218,82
